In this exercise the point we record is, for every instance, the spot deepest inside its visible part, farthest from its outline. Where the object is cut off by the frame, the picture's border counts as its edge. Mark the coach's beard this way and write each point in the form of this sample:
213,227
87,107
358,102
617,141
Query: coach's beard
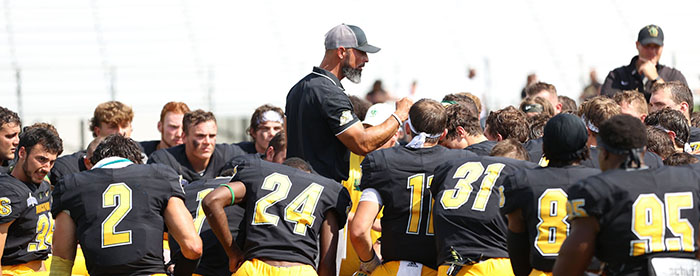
352,74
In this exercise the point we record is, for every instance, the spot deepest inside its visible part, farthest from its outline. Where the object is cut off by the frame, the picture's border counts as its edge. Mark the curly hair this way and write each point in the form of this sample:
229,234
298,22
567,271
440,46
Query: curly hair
509,122
112,113
116,145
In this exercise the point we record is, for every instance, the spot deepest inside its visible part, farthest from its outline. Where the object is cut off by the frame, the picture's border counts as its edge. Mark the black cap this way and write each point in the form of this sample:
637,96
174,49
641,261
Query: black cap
564,137
651,34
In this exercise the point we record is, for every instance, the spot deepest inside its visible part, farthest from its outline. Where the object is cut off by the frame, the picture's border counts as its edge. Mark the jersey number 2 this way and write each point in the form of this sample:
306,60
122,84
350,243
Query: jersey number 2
300,211
116,195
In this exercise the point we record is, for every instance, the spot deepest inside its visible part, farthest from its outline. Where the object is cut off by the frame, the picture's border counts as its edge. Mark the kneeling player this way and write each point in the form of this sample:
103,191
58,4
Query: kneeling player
470,232
535,199
117,210
289,214
639,221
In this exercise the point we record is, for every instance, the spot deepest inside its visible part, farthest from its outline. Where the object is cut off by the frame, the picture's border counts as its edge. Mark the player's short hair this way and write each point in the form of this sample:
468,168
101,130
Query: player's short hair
567,104
634,99
510,148
474,98
462,98
509,122
459,115
278,142
196,117
695,119
623,135
116,145
659,142
535,88
538,105
428,116
537,124
359,106
679,92
46,137
680,159
596,110
111,113
8,117
92,146
671,120
174,107
298,163
258,116
45,125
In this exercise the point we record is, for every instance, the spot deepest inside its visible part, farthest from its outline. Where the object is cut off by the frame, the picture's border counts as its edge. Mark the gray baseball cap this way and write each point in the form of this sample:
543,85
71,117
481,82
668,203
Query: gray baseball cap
348,36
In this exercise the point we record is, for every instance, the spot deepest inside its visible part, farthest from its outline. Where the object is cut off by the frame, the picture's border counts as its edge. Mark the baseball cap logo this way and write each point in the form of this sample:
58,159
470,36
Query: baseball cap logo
653,31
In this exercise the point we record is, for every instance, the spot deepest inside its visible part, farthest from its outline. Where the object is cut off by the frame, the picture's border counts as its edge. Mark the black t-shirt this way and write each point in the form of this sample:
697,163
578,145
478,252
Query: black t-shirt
466,210
149,147
175,158
119,216
28,207
640,212
285,208
651,160
402,176
541,195
318,110
213,260
66,165
483,148
534,149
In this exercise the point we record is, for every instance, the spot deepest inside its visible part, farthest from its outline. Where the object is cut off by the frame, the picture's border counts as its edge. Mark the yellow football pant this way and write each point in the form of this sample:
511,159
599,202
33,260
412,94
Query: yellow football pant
536,272
392,268
257,267
493,266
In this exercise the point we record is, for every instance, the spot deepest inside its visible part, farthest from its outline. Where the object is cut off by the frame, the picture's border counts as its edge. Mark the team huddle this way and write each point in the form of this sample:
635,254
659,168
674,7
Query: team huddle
331,186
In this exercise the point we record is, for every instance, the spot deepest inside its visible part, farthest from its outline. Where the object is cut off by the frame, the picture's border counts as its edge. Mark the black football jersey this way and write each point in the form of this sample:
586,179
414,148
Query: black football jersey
119,216
651,160
284,209
175,158
66,165
214,260
28,207
541,195
148,147
640,212
466,210
534,149
403,176
694,138
482,149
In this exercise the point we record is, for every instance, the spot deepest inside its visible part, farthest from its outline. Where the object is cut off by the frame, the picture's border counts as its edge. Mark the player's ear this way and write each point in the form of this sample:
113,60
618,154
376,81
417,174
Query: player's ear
500,138
22,153
341,53
461,132
269,153
160,126
444,134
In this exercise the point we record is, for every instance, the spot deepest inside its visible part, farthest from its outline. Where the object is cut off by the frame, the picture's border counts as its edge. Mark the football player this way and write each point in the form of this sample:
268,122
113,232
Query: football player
108,118
398,179
169,126
117,211
292,217
639,220
9,137
25,220
535,199
200,157
470,232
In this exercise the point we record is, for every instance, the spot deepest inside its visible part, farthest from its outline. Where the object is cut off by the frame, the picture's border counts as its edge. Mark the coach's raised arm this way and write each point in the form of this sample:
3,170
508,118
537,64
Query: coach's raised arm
321,125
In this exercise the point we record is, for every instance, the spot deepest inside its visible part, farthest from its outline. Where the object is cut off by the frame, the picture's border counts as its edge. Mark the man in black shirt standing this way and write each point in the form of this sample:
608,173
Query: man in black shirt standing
322,128
644,70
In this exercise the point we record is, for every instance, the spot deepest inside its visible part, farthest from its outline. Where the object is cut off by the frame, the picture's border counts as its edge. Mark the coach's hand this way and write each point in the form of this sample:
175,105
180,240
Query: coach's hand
402,107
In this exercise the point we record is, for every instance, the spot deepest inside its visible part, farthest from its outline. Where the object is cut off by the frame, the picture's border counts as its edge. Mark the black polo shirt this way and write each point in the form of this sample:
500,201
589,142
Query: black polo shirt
627,78
317,111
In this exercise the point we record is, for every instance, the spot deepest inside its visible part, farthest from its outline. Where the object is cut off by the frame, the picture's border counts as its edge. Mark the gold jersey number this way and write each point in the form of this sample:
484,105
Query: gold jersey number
117,196
650,219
